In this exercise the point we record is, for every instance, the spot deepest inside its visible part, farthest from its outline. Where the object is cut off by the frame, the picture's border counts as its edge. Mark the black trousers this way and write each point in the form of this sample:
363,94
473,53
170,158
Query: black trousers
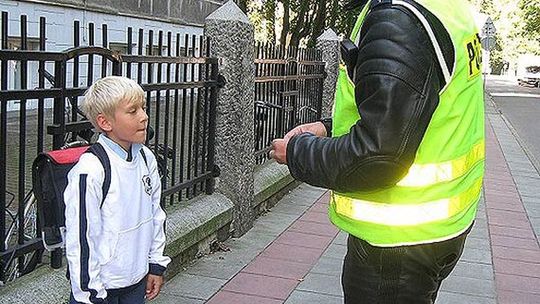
134,294
407,274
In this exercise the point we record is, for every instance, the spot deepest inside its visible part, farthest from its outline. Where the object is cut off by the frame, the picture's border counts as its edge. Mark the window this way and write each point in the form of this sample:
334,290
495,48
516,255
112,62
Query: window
122,48
155,50
190,53
14,43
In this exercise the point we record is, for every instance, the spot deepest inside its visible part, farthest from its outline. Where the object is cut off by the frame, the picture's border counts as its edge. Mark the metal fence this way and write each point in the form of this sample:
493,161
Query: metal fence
288,92
40,92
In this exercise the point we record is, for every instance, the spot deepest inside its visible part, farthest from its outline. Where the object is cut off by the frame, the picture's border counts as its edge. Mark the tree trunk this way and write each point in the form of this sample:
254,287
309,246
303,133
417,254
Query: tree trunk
301,27
333,14
318,24
269,13
286,22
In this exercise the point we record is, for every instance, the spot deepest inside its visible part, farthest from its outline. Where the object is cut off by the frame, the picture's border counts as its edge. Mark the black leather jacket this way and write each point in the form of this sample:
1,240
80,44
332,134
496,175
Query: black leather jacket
397,84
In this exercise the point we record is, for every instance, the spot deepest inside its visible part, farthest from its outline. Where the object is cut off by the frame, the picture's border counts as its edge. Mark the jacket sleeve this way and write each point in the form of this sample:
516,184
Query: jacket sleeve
396,91
158,262
83,196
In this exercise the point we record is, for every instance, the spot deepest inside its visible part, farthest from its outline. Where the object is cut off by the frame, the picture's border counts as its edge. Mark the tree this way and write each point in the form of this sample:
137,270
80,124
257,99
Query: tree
269,15
301,22
517,28
342,20
487,7
242,4
531,18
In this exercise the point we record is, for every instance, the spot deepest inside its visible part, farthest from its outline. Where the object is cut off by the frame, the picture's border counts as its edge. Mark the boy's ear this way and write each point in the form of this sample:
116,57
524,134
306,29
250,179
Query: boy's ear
103,122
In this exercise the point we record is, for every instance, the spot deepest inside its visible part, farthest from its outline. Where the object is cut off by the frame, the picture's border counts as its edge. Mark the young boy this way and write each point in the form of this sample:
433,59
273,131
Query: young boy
114,244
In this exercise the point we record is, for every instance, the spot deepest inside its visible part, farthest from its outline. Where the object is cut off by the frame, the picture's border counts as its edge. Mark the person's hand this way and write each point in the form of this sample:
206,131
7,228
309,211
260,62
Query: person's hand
153,286
279,146
316,128
279,150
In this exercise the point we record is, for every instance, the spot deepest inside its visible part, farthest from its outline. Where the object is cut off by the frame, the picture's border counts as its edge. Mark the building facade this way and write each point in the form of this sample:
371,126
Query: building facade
184,17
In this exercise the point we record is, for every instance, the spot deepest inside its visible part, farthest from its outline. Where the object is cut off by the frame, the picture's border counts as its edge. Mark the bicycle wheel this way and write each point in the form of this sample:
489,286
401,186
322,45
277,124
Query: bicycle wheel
15,266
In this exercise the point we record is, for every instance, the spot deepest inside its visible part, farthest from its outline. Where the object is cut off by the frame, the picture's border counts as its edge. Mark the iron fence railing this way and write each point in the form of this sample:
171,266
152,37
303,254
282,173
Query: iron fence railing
40,93
288,92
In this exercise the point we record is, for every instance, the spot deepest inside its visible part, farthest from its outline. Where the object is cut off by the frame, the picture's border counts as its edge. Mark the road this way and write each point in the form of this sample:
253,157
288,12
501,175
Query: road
521,107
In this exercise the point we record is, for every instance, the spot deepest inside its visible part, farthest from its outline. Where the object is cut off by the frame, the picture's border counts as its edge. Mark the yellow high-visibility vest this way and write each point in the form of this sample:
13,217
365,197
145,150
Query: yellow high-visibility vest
437,198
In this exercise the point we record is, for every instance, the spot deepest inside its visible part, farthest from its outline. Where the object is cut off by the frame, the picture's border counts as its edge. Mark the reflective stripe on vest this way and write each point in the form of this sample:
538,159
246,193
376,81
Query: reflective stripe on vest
406,215
421,175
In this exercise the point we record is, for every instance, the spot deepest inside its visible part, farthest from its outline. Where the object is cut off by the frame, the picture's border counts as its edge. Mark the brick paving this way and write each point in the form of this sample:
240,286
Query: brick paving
278,270
293,255
514,243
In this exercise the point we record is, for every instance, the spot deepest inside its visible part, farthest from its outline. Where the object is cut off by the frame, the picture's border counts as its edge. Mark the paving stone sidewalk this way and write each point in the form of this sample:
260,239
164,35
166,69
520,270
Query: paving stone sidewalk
294,255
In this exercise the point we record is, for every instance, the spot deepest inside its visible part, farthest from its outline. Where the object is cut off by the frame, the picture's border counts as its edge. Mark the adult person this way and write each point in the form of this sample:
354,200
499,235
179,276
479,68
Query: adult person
404,149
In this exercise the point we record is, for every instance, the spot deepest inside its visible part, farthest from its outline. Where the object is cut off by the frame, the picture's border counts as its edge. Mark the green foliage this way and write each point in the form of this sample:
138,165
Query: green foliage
496,56
242,4
518,28
269,15
305,21
531,18
487,7
344,19
257,18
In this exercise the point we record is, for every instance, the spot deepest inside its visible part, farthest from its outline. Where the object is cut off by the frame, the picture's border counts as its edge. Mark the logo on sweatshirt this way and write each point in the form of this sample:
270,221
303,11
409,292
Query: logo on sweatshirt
147,183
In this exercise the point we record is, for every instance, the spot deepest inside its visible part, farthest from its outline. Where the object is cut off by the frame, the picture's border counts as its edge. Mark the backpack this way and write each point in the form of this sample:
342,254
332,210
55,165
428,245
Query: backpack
49,180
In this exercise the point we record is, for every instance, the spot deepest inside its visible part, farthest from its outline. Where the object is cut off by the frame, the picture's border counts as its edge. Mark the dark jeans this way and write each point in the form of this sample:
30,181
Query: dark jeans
407,274
134,294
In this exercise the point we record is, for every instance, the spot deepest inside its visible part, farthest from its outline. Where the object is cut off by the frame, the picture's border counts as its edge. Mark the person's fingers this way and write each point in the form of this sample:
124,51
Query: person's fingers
152,296
157,290
154,291
149,286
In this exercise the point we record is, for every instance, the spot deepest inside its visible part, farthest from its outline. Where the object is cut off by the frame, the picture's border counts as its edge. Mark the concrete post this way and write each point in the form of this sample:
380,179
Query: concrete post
232,40
328,44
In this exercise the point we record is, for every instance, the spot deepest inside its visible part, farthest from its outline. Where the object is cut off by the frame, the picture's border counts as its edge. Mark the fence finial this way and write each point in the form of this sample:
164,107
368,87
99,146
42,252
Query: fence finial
329,34
229,11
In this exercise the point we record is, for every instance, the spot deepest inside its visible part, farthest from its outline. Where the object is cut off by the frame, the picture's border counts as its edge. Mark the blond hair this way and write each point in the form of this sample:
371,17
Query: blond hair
104,96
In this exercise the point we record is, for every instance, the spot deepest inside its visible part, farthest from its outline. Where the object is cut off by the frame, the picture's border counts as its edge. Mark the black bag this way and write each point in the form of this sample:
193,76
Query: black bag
49,180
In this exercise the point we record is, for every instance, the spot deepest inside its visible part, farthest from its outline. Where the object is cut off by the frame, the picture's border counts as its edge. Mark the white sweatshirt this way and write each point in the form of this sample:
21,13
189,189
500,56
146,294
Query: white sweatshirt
114,245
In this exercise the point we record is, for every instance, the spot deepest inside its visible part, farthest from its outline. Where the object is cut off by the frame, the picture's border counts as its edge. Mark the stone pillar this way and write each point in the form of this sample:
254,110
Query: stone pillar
328,44
232,40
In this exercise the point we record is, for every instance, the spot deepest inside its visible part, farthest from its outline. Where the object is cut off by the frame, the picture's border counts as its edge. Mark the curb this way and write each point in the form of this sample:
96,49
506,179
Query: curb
535,162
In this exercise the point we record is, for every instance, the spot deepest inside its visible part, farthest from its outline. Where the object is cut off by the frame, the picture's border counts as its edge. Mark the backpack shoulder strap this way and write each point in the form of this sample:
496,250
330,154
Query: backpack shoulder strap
144,157
98,150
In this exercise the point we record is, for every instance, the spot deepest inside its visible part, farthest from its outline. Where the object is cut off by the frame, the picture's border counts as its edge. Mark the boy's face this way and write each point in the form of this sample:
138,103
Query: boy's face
128,125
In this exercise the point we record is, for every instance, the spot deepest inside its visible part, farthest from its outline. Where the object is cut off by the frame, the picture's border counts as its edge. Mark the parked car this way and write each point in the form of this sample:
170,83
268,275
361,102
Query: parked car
531,76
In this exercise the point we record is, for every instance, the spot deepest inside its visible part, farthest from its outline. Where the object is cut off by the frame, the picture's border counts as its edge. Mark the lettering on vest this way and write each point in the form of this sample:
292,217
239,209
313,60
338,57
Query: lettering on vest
474,50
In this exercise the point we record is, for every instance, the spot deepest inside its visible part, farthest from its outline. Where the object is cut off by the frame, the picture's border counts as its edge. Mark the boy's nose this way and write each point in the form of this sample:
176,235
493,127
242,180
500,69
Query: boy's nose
144,116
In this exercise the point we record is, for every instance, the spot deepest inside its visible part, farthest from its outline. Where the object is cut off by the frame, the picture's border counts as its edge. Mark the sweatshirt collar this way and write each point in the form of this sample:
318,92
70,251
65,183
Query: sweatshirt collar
125,155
